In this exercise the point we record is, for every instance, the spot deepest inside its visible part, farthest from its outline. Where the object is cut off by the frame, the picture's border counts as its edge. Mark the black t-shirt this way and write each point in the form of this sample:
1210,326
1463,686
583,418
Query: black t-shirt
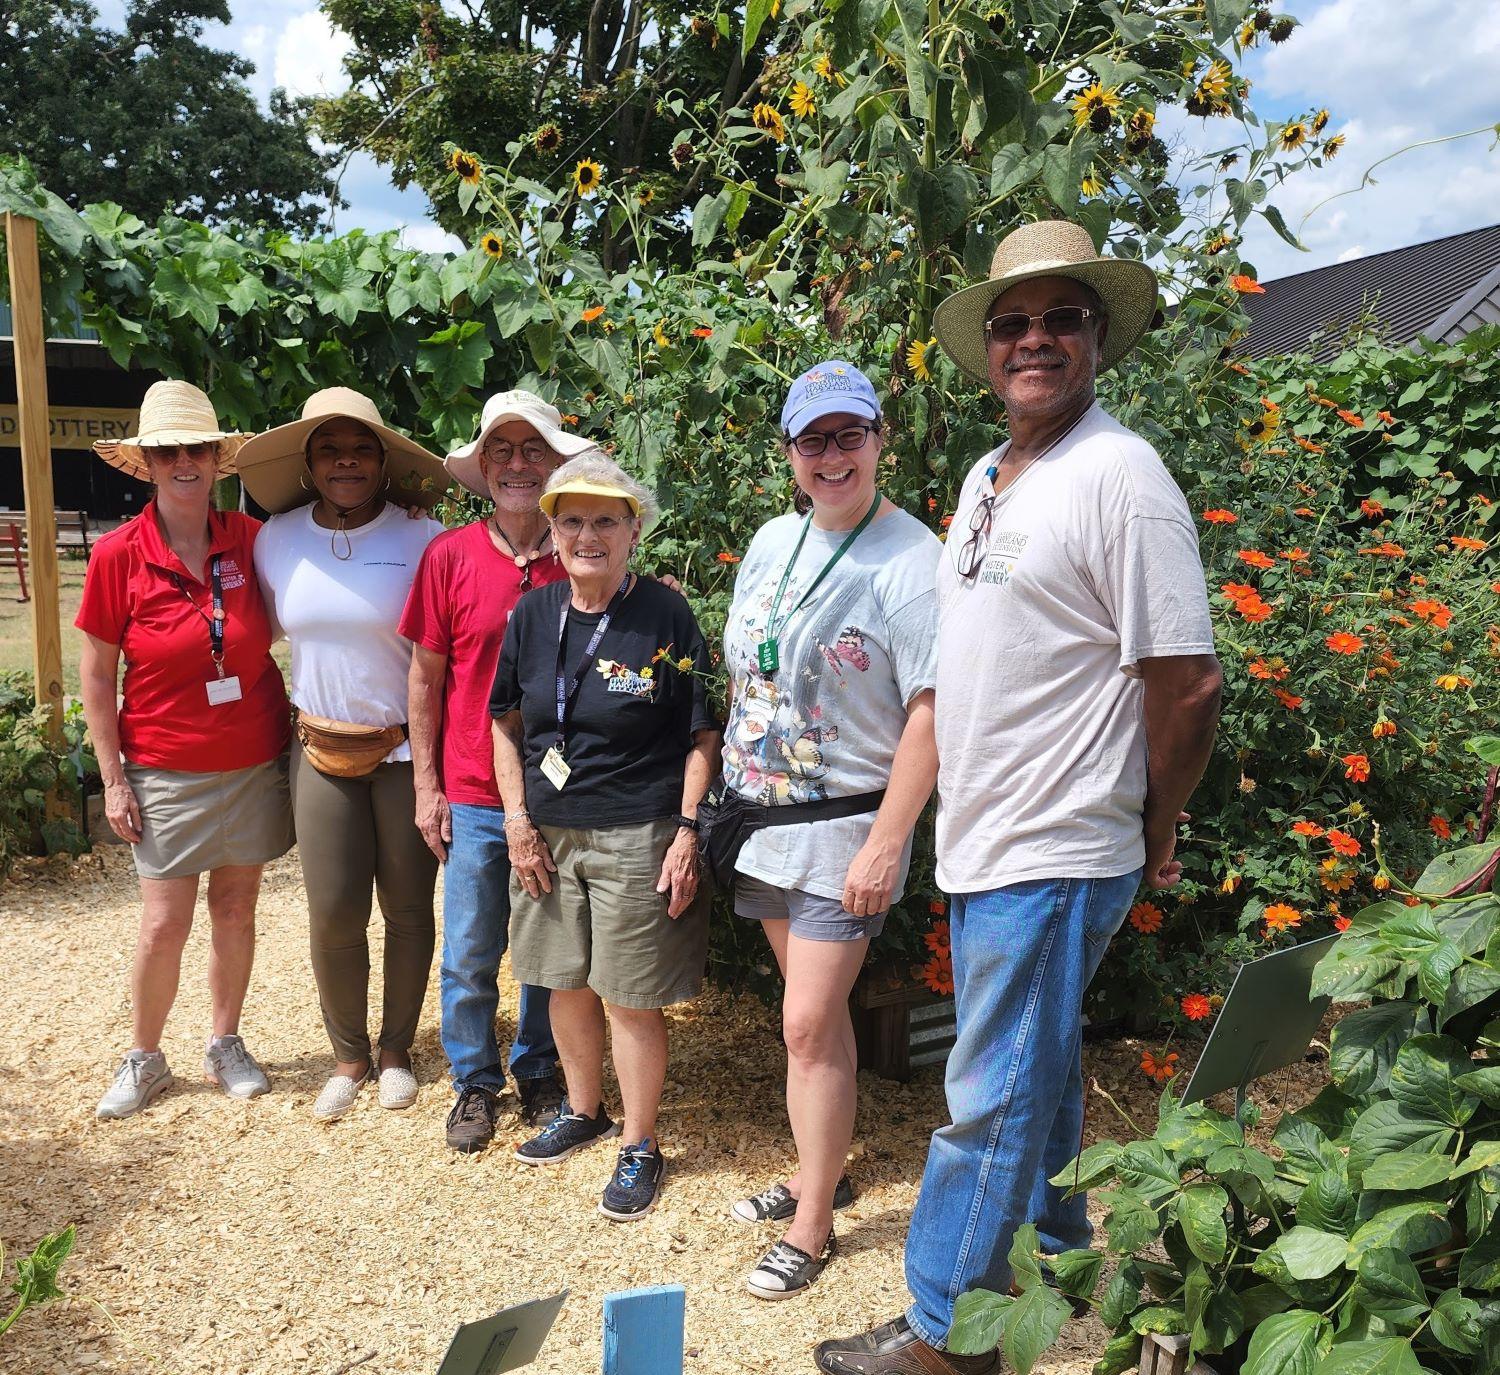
631,722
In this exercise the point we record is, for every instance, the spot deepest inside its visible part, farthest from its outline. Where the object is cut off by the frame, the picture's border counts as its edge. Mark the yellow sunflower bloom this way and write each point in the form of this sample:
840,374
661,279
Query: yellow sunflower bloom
801,100
1292,136
465,165
917,354
1092,184
660,335
767,118
1215,81
1320,121
588,176
1095,107
1332,146
828,72
493,245
1139,131
645,196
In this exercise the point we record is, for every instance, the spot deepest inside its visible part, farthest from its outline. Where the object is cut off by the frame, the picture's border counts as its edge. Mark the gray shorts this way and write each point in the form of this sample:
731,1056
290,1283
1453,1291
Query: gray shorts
810,916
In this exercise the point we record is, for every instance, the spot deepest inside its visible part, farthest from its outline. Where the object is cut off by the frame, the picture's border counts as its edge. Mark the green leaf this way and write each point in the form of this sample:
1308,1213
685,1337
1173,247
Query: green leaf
1377,1356
1365,1043
708,215
1161,1319
1200,1210
1310,1254
342,290
515,304
1221,1323
1131,1222
1121,1295
1077,1272
1122,1354
1224,17
1487,747
756,14
36,1274
1422,1080
1482,1157
1327,1203
455,357
1390,1286
1385,1127
1262,1301
1480,1267
1436,969
1409,1227
1013,168
979,1320
1194,1133
1455,1322
1288,1344
1405,1170
1145,1167
1449,870
1034,1324
1095,1165
1025,1257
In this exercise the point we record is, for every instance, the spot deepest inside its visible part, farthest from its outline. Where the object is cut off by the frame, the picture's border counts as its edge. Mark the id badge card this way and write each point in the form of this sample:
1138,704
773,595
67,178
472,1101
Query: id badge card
555,768
222,690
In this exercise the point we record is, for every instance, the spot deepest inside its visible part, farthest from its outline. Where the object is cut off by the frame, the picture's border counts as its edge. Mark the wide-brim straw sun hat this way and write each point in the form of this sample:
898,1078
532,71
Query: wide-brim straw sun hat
1049,248
587,487
503,407
171,413
273,465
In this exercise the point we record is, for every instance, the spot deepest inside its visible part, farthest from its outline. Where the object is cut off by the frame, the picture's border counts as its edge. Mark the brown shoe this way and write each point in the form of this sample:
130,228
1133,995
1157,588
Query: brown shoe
894,1349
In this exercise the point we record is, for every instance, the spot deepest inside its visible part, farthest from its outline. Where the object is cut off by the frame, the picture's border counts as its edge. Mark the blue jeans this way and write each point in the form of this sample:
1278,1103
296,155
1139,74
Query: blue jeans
1022,957
476,929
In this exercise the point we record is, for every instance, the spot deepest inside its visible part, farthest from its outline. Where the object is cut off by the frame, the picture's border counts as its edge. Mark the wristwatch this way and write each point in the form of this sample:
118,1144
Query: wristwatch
687,823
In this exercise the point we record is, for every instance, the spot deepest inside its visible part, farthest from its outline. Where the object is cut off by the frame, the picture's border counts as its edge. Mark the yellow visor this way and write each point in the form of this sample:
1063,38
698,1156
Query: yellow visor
586,487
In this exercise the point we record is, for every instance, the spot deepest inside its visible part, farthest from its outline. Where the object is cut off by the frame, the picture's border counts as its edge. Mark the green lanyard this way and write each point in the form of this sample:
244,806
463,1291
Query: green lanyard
767,654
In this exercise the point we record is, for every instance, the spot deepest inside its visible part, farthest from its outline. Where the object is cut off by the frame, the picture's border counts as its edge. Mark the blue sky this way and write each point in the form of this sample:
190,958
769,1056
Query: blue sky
1392,72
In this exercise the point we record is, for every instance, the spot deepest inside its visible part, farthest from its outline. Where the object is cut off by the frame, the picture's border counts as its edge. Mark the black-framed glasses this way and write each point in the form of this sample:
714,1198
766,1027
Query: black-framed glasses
971,555
502,451
1060,322
812,443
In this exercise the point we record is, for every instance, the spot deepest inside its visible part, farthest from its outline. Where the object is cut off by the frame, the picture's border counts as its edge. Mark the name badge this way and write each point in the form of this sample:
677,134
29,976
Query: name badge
555,768
222,690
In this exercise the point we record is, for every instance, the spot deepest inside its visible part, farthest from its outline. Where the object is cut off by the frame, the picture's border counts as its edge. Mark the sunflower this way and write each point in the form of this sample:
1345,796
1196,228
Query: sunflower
660,335
801,100
1263,428
1332,146
587,177
493,245
1138,132
1214,83
547,139
1217,244
465,165
1248,34
828,72
1281,30
1092,184
767,118
645,196
682,153
1095,107
1320,121
1292,136
917,353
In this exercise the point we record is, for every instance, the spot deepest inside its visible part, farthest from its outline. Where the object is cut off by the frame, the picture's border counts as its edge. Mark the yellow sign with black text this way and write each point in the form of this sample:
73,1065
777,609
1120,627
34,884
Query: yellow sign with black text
73,427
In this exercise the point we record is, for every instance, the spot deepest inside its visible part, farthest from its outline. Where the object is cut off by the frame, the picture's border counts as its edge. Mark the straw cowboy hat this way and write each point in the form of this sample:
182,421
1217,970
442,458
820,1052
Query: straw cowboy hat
171,413
1049,248
273,465
463,463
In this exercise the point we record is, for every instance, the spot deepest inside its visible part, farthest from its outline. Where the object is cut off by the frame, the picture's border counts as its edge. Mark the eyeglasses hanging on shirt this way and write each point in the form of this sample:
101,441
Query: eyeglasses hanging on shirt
224,688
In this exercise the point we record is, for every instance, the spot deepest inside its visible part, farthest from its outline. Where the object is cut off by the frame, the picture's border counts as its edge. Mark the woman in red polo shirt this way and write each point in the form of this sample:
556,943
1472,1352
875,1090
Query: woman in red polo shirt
193,751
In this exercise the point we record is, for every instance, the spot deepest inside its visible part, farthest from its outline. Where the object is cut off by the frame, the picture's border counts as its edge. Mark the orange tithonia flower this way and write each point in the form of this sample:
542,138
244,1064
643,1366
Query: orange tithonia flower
1253,609
1349,418
1160,1070
1237,591
1255,558
1451,682
1440,827
1387,550
1434,613
1356,767
1220,517
1343,843
1289,700
1281,917
1195,1007
1342,923
1309,445
1464,542
1307,828
1259,668
1246,286
1380,883
592,314
1334,876
1146,917
1372,508
1343,642
1382,728
1296,554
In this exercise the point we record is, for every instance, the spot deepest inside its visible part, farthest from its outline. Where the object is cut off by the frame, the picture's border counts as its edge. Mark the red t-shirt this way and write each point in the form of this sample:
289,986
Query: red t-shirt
130,599
459,605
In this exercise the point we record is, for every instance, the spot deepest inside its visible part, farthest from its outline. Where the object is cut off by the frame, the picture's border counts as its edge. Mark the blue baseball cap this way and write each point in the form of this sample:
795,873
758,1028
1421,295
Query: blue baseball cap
824,389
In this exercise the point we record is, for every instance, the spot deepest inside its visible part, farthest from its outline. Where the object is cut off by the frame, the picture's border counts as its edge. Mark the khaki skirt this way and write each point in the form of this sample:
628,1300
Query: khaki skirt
194,822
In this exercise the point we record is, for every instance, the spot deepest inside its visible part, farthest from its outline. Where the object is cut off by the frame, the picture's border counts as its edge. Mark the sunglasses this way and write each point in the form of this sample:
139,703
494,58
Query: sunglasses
1060,322
166,453
812,443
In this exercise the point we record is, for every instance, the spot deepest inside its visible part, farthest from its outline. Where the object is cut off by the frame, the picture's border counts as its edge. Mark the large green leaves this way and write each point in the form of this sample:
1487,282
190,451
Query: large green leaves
1422,1081
1365,1044
1309,1254
455,357
1390,1286
1409,1227
1200,1210
1288,1344
1377,1356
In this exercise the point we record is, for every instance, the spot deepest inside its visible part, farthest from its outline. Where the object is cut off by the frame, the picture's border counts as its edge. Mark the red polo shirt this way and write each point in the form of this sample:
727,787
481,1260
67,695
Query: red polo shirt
460,604
131,599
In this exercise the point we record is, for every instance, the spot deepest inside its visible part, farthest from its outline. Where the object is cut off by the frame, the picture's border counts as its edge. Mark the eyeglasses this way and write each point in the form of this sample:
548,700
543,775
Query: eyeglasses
572,526
1060,322
971,555
812,443
502,451
166,453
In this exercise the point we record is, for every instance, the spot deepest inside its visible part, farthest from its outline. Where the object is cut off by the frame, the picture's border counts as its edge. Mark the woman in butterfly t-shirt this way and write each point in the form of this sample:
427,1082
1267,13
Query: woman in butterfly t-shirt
830,647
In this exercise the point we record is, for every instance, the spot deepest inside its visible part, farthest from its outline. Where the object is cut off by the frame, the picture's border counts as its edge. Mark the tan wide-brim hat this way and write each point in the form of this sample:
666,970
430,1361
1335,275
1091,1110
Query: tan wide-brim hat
273,465
171,413
542,416
1049,248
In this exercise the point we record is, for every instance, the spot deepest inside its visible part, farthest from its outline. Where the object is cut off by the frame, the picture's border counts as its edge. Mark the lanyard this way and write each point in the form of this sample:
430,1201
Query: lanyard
216,621
767,650
566,689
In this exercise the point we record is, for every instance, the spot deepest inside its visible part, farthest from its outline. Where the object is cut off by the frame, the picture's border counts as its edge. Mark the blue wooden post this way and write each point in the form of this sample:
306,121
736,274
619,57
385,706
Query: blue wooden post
643,1331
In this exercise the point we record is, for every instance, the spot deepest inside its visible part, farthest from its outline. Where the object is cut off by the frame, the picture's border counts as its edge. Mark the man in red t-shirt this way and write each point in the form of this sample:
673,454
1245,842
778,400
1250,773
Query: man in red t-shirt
467,585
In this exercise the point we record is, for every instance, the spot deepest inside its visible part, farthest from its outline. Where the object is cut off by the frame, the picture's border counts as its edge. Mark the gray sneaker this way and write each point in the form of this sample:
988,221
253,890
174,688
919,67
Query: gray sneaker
229,1065
140,1078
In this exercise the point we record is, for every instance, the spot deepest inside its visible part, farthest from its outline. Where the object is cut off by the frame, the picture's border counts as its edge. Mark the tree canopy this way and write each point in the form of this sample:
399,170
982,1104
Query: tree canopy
152,118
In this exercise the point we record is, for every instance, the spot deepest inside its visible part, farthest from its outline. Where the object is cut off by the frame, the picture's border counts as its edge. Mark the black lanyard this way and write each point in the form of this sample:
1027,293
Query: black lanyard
567,689
216,621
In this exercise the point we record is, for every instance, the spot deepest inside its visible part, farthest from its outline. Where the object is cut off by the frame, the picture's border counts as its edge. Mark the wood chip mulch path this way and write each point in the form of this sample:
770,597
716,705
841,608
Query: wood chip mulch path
223,1236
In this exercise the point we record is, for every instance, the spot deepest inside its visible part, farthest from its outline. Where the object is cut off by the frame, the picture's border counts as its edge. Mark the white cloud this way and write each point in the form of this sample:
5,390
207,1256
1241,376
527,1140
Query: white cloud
310,54
427,237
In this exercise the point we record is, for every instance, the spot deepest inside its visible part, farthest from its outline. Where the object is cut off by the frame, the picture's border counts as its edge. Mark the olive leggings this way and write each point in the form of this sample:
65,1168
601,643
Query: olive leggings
354,834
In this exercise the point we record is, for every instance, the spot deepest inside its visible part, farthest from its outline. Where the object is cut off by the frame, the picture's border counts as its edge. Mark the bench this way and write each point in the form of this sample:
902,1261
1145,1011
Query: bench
71,533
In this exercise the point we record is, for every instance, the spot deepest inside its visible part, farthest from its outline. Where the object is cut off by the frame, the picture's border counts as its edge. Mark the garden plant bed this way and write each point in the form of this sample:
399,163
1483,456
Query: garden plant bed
227,1237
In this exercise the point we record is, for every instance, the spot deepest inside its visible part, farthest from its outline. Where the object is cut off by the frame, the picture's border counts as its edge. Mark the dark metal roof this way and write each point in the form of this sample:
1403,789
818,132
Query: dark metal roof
1408,291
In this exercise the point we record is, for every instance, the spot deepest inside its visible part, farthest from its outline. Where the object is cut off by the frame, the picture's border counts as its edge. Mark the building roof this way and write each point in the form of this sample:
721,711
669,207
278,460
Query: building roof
1442,289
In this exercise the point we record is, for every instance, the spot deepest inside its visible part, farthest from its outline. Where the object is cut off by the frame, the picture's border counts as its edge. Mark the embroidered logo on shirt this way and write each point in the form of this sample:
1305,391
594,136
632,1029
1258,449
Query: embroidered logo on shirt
623,678
230,575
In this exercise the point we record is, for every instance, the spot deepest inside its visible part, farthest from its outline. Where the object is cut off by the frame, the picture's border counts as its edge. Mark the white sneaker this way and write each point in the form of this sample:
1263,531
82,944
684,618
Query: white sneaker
140,1078
229,1065
398,1087
339,1095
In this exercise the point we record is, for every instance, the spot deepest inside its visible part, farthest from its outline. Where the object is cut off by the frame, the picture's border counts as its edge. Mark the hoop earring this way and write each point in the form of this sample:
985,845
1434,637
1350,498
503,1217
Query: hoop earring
305,484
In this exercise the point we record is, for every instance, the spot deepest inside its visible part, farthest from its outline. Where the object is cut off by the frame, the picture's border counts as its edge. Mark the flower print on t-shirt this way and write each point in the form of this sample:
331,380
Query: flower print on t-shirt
637,682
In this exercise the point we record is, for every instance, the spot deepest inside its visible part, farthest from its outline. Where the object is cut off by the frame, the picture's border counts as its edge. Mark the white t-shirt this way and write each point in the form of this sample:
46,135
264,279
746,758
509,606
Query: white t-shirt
827,722
1090,566
340,615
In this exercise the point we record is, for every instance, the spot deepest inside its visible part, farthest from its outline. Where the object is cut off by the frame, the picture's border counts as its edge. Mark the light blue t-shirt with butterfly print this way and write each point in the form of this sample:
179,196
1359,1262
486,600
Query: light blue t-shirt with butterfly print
827,722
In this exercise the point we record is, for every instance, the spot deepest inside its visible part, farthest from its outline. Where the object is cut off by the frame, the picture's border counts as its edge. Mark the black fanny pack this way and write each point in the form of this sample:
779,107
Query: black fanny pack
726,821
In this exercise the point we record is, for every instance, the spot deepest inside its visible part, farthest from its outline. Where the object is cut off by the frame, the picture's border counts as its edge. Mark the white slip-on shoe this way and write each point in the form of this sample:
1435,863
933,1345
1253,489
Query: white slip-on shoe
339,1095
398,1087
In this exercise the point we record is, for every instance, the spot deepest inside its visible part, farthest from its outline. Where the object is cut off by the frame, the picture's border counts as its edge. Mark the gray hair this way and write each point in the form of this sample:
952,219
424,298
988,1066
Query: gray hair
595,467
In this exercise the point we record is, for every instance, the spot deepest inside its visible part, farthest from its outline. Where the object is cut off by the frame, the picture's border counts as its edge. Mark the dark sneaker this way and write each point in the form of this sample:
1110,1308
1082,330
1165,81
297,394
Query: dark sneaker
541,1100
569,1131
786,1270
631,1194
471,1122
776,1204
894,1349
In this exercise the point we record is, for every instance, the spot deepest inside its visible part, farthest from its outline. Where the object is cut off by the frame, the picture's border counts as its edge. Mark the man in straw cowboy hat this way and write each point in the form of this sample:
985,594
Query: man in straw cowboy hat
1074,646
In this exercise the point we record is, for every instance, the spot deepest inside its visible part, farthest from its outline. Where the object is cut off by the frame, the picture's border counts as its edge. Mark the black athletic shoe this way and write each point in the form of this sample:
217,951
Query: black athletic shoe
569,1131
471,1122
631,1194
776,1204
786,1270
541,1100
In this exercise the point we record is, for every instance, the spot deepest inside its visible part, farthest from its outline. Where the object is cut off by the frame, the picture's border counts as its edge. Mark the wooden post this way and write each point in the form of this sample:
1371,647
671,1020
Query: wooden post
643,1331
36,461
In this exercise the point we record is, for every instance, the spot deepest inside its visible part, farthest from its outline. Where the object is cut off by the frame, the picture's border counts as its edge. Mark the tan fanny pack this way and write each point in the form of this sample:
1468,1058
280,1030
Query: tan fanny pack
342,749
